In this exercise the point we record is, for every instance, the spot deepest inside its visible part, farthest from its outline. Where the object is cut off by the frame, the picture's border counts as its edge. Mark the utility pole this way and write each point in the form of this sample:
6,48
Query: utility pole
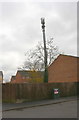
45,51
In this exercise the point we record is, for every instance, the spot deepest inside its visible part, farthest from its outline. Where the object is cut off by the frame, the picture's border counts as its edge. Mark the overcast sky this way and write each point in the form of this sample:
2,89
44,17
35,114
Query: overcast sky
20,30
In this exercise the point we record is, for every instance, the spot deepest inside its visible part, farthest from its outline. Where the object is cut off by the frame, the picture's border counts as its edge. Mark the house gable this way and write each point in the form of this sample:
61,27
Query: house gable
63,69
25,76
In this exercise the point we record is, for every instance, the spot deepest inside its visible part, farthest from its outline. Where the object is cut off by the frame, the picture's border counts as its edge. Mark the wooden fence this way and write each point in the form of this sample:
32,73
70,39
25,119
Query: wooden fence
36,91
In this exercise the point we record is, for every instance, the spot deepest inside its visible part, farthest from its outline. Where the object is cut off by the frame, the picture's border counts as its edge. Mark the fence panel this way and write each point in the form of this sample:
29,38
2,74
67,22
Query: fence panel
36,91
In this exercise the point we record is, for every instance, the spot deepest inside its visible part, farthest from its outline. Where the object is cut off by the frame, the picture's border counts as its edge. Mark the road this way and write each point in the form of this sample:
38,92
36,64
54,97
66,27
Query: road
0,110
61,110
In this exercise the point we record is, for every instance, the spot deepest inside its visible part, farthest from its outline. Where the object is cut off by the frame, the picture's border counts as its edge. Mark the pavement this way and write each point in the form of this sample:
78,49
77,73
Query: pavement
16,106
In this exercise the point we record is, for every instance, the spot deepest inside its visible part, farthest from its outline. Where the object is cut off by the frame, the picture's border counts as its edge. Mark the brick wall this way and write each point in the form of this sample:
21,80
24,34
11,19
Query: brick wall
21,79
63,69
32,77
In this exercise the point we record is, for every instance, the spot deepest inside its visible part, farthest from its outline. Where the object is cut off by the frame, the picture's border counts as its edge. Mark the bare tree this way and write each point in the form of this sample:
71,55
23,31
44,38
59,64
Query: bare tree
35,57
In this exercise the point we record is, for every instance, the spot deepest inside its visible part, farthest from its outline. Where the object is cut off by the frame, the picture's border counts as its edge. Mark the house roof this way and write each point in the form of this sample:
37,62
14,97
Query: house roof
23,72
27,73
68,56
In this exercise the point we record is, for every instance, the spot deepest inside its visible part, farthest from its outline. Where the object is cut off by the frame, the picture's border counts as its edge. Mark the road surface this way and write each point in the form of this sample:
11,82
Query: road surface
61,110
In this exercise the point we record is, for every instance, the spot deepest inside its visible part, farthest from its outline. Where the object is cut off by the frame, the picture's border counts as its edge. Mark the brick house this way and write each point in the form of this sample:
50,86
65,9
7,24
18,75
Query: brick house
24,76
63,69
